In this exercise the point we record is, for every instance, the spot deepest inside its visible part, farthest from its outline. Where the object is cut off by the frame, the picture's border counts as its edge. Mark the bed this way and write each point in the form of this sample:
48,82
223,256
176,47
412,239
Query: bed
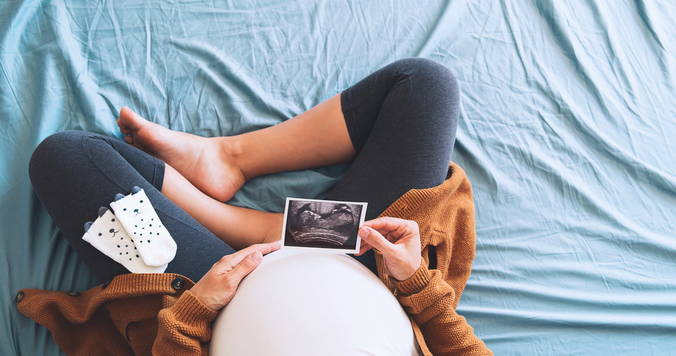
566,133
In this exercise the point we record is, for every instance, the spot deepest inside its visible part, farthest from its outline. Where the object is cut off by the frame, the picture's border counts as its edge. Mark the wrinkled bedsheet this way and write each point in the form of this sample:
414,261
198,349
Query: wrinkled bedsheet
566,132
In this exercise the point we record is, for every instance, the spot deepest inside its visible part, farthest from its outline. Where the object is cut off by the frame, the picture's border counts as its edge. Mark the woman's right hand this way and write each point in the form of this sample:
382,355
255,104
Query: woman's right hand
399,242
219,285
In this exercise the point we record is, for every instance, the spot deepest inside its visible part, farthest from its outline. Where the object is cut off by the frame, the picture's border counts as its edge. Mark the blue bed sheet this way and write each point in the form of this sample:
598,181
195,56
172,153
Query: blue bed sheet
567,117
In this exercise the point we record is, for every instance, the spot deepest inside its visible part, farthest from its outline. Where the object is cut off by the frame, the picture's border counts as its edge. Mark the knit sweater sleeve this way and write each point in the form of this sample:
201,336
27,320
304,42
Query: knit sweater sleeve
184,327
429,300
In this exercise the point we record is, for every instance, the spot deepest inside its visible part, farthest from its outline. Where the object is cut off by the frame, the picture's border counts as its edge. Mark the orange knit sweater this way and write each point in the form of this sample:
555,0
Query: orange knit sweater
143,314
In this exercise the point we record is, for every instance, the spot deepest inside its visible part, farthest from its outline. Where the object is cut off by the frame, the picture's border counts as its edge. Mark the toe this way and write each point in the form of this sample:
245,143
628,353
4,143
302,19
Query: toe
129,119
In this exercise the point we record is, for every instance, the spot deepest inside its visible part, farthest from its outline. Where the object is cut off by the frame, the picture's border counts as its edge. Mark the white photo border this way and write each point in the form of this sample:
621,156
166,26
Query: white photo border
362,217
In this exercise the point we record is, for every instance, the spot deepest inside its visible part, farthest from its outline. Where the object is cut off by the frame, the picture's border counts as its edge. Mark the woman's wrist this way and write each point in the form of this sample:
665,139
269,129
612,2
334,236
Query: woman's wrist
415,283
190,309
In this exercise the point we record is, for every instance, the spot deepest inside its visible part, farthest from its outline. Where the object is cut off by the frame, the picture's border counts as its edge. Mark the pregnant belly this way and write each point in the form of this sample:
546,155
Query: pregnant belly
309,303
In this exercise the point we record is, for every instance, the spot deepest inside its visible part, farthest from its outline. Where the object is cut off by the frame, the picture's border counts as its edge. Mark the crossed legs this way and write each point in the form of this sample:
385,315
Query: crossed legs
397,127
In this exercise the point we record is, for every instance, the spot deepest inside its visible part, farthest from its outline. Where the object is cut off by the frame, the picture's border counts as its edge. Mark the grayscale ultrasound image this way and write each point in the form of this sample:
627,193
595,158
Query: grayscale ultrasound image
323,224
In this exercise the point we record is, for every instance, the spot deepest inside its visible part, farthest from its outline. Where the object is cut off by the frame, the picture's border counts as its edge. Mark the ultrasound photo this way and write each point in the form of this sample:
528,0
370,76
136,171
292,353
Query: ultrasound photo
323,224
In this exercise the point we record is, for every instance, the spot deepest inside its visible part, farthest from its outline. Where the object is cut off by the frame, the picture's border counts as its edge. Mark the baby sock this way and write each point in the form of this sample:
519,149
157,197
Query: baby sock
152,240
107,235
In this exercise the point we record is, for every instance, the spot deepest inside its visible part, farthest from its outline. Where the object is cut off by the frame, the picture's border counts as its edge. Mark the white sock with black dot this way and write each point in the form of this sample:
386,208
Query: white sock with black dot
152,240
107,235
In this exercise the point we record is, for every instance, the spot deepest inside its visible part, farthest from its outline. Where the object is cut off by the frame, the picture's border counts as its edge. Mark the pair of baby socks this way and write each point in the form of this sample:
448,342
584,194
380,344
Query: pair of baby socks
133,235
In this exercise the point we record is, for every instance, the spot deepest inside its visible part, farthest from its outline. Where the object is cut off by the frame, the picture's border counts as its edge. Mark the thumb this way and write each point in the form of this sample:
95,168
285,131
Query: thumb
246,266
375,239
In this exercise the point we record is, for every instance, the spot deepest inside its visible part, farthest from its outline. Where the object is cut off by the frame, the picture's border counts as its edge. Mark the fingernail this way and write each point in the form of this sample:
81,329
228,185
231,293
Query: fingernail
256,256
364,233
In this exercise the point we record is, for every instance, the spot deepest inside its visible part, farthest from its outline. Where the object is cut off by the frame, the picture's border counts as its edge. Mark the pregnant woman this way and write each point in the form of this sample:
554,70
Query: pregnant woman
396,128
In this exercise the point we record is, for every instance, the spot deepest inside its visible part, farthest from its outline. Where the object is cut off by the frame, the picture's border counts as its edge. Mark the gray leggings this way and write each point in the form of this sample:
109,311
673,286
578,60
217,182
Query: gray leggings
401,119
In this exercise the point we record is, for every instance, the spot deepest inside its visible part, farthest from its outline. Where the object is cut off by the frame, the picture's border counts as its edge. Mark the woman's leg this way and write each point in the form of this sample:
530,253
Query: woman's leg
74,173
402,121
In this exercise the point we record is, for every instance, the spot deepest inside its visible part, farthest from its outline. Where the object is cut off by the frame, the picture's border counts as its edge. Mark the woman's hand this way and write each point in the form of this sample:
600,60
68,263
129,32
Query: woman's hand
218,286
399,242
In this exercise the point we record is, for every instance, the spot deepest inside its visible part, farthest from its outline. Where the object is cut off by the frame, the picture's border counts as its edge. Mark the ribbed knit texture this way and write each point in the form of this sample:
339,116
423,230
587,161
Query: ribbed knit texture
122,318
184,328
143,313
445,217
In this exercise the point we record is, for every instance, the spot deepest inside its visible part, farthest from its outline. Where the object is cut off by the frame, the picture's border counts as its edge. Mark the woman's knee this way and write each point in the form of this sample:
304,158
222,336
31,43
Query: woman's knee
436,94
430,74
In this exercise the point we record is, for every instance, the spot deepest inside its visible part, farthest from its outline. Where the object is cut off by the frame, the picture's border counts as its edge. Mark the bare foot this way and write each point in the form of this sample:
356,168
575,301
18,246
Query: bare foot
206,162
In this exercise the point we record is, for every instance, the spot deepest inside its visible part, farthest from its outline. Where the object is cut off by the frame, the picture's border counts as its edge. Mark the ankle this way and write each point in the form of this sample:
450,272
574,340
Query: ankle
231,151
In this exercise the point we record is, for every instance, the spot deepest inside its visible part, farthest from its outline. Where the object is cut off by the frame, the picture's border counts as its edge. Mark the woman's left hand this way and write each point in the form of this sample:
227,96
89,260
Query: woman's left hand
219,285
